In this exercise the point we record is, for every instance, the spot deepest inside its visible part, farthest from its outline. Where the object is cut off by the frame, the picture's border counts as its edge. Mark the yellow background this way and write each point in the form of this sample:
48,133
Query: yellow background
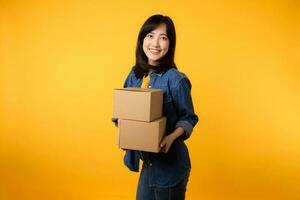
60,60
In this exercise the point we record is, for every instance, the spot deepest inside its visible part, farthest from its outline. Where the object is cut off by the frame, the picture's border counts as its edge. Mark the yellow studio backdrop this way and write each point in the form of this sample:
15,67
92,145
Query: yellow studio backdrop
60,60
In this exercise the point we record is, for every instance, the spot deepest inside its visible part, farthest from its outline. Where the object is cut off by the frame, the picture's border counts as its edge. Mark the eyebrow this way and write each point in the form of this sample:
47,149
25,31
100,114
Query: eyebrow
159,34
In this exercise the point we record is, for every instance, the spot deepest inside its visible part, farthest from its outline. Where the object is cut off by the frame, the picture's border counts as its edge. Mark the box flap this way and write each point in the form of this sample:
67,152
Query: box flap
135,89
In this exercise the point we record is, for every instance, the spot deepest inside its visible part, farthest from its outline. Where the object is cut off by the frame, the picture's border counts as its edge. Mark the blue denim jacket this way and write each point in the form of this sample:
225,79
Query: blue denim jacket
167,169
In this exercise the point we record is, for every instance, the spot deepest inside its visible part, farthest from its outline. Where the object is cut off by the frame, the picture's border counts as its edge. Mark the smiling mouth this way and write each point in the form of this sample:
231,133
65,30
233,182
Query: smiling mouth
154,51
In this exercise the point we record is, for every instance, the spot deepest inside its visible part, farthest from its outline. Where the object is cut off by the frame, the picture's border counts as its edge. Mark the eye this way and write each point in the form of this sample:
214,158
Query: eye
149,36
164,38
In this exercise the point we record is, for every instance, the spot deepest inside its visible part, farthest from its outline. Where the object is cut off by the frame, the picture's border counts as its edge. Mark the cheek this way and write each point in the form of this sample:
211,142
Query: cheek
166,46
144,46
145,42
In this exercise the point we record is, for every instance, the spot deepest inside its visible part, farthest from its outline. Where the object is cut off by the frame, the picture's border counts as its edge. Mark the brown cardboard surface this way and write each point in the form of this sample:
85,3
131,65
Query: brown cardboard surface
140,104
144,136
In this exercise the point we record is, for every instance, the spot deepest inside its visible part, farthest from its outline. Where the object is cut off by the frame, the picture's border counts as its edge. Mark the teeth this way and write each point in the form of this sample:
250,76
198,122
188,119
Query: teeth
154,51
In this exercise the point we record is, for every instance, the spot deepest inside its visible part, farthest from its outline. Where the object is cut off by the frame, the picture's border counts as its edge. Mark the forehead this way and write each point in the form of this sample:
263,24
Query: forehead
161,29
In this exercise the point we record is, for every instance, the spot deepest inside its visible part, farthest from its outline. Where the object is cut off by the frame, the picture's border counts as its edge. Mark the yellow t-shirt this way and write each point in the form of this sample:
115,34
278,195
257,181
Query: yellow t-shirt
146,80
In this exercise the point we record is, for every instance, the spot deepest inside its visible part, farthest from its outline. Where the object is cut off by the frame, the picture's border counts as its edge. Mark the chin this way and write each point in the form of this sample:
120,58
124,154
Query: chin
156,59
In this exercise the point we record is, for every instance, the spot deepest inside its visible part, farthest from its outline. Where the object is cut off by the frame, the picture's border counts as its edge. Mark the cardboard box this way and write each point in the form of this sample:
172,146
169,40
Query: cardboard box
144,136
140,104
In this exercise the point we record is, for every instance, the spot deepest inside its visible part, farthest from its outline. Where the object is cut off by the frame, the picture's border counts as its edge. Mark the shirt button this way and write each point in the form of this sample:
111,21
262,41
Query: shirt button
150,164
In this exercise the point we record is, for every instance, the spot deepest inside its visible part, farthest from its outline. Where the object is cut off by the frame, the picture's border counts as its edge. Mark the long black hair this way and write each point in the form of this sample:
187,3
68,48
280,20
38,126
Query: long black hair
142,67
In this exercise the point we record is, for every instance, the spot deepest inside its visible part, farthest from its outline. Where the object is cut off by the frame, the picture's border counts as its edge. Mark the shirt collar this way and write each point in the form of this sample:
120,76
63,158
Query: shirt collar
159,73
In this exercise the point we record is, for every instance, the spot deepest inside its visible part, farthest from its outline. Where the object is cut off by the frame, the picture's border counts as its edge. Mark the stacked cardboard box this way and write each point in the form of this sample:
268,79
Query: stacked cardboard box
141,124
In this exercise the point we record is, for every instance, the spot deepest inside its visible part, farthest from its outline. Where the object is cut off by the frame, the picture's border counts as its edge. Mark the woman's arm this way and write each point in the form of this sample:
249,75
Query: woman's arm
169,139
187,118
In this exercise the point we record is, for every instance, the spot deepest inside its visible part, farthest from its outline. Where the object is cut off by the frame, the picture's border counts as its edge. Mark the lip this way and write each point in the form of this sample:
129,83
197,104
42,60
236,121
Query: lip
154,51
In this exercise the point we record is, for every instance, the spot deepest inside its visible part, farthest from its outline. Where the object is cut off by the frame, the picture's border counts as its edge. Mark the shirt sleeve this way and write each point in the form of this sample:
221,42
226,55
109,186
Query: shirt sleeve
182,98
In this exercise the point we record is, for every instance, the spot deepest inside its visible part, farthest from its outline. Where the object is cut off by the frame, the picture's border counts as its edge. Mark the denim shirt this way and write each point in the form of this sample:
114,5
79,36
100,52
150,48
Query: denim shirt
167,169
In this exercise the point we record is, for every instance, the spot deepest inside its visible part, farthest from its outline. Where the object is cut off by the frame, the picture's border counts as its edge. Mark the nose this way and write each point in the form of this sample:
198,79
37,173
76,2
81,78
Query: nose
155,42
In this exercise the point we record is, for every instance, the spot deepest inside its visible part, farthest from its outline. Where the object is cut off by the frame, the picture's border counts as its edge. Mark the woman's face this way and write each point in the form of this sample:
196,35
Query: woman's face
156,44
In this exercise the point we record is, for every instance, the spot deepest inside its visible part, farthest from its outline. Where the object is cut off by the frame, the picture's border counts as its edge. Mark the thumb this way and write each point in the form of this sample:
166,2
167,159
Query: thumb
163,143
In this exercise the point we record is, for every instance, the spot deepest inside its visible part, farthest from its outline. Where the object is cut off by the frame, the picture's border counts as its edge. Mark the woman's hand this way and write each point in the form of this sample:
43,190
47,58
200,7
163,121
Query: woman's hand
166,143
169,139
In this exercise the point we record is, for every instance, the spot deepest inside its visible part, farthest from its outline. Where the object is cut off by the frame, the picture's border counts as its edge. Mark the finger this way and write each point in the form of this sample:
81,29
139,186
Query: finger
163,143
167,149
163,149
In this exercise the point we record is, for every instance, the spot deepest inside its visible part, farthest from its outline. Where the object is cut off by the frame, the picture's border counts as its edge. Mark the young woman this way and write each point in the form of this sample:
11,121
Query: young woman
164,175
